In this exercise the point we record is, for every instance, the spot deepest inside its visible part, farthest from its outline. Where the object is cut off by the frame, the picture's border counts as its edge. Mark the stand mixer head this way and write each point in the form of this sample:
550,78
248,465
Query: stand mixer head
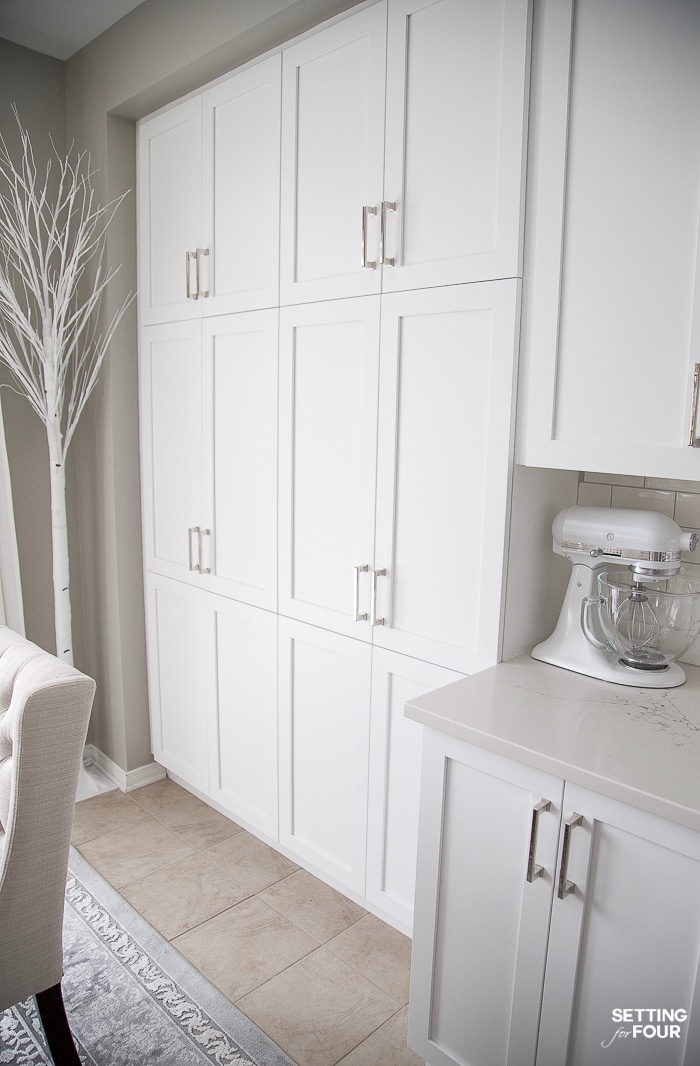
649,615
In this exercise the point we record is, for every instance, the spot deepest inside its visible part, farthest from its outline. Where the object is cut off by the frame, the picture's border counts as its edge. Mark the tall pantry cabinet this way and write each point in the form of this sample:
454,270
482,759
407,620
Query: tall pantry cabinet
327,417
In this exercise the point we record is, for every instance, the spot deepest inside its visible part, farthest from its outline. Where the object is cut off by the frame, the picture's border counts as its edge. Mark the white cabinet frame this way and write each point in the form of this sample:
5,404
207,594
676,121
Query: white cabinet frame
395,752
480,935
209,200
324,710
457,91
599,429
332,159
208,395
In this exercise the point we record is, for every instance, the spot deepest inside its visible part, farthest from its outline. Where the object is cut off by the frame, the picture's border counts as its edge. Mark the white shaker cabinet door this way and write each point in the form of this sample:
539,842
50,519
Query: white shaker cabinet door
243,743
612,319
624,934
179,639
394,781
332,159
171,446
170,206
324,690
241,174
457,77
239,545
487,827
445,429
328,432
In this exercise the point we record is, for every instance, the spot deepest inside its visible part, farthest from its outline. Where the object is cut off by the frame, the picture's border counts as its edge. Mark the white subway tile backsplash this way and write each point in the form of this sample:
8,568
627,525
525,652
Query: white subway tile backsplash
644,499
687,512
592,495
674,486
614,479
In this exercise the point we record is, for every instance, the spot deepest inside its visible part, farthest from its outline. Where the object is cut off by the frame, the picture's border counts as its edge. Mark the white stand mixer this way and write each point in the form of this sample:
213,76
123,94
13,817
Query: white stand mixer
650,545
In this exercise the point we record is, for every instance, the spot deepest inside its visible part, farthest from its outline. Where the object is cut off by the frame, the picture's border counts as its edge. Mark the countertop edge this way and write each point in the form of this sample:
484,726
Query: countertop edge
568,768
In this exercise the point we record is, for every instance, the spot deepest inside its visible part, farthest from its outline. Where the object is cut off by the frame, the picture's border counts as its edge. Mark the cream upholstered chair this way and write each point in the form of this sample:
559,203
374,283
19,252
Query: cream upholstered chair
44,710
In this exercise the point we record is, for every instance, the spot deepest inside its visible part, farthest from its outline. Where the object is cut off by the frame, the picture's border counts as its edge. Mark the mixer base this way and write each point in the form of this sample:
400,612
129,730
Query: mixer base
607,667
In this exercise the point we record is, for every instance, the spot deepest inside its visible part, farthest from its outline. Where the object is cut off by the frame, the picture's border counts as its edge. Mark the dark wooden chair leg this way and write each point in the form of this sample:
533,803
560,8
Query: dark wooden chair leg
56,1028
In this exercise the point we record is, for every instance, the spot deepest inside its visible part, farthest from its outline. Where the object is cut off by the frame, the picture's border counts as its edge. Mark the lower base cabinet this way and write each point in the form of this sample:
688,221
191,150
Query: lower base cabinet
178,678
350,763
324,741
212,672
553,926
295,731
395,752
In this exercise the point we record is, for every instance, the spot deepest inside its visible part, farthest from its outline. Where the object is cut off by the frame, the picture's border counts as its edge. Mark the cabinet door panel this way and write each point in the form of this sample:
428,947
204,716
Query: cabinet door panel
240,383
456,99
443,470
170,203
171,421
332,147
614,305
243,769
626,937
324,684
394,777
480,934
328,405
178,670
241,153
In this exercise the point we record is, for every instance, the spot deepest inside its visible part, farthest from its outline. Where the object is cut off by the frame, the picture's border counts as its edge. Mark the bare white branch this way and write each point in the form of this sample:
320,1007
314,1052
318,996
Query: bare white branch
52,280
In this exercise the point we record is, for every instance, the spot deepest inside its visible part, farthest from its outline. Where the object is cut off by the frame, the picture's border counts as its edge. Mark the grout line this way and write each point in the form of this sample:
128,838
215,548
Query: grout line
319,945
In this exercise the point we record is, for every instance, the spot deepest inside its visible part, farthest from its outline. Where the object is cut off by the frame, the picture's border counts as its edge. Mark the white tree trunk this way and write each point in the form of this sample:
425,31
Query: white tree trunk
59,544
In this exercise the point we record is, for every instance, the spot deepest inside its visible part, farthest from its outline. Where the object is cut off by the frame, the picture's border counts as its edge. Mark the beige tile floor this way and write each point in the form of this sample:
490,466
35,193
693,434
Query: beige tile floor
325,979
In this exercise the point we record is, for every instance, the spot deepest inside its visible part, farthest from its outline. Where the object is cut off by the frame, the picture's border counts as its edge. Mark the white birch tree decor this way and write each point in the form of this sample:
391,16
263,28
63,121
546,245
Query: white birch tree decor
52,278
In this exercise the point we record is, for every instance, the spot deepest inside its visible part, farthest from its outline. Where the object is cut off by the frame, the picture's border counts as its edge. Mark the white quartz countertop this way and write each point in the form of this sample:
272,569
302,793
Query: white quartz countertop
637,745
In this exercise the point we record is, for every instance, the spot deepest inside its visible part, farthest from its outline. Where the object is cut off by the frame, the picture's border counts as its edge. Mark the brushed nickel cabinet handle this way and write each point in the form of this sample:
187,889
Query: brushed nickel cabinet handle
533,870
693,435
565,887
357,617
192,565
387,205
202,533
188,275
198,254
369,264
373,599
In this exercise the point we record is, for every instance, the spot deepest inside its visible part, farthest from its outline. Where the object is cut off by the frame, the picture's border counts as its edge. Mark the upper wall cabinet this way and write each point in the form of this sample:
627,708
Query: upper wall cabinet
169,214
332,158
456,96
417,187
208,207
611,308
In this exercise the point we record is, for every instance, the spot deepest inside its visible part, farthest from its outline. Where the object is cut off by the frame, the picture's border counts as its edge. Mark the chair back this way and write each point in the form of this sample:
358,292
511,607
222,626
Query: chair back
44,713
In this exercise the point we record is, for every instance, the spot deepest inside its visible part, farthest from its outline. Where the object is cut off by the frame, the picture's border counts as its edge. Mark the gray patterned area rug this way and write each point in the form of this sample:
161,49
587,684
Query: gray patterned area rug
131,998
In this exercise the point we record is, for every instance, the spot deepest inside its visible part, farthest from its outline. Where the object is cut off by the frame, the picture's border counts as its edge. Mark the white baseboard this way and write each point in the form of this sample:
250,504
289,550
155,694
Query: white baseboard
125,780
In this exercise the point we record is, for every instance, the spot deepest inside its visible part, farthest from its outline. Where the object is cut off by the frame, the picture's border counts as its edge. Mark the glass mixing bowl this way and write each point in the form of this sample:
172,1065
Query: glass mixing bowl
649,622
